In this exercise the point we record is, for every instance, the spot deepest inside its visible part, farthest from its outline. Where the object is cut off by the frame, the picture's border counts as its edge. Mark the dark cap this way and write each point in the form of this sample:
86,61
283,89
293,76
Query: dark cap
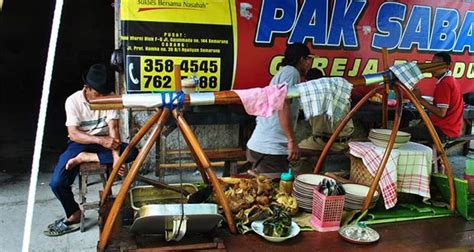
96,78
294,52
445,57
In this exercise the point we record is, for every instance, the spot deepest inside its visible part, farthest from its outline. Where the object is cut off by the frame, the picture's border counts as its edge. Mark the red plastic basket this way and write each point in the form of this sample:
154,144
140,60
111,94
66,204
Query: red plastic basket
327,211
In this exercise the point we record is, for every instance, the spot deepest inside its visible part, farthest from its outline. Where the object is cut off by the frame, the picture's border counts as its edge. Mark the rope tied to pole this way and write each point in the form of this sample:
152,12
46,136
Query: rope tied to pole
172,97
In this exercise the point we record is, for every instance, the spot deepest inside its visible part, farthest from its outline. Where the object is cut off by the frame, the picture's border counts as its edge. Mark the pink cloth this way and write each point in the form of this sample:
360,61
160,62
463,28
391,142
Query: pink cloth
263,101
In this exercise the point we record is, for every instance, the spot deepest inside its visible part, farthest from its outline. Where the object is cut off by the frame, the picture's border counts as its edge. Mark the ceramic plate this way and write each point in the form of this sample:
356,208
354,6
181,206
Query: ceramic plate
383,144
312,179
388,132
398,139
257,227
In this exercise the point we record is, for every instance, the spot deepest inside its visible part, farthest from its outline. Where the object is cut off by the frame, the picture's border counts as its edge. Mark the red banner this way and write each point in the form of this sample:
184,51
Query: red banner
239,44
347,36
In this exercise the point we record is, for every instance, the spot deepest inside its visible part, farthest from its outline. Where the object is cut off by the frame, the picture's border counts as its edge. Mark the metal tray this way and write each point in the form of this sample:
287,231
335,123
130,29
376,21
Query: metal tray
152,219
145,195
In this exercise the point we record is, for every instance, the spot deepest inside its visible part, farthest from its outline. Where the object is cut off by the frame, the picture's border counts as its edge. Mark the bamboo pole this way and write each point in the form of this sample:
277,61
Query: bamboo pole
124,155
129,179
230,97
341,126
438,146
386,154
205,167
387,89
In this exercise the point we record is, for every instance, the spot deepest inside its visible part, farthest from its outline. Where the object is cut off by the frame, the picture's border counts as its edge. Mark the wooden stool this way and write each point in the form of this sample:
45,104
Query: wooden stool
85,170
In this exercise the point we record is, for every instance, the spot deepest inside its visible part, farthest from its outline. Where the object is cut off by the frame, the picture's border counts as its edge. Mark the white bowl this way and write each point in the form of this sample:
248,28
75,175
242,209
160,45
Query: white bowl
358,190
257,227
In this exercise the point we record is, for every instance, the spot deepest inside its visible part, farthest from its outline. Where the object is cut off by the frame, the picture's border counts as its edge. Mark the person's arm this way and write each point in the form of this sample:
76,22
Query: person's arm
439,112
78,136
284,117
115,134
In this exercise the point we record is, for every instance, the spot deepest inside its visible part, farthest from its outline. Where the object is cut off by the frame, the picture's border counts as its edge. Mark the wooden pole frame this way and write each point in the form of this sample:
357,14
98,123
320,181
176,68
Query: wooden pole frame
398,87
229,97
204,165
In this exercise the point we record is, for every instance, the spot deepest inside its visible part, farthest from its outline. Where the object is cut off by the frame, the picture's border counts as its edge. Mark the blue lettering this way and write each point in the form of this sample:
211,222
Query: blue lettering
311,23
276,16
417,30
389,25
466,34
343,23
443,34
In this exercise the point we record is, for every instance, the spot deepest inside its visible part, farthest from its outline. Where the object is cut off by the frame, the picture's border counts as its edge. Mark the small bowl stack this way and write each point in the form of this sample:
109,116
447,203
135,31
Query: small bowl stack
355,196
303,189
380,137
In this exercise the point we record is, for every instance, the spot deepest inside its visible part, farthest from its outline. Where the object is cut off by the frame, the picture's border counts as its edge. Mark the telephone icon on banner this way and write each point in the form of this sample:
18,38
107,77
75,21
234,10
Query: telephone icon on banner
130,73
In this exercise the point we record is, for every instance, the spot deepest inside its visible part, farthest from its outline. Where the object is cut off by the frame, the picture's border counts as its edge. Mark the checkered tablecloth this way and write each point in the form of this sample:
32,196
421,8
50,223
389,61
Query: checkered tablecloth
408,168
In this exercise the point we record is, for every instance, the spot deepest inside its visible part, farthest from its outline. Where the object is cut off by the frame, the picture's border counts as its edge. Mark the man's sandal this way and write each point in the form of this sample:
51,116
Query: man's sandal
61,228
56,222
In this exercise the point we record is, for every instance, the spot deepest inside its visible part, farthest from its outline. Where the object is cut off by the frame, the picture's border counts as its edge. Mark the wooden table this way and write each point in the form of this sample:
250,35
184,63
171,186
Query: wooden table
422,235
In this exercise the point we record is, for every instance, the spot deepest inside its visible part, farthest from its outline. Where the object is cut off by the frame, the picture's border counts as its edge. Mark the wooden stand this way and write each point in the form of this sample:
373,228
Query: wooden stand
228,97
158,120
397,87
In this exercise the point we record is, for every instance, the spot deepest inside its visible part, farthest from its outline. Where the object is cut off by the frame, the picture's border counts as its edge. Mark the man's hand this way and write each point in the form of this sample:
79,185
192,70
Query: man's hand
417,92
110,142
293,151
121,170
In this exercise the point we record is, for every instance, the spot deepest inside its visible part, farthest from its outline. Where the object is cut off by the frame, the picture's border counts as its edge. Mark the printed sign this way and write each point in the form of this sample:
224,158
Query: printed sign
240,44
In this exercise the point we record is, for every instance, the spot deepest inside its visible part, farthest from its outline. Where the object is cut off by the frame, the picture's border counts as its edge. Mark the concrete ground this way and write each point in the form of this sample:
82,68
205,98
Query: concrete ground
15,163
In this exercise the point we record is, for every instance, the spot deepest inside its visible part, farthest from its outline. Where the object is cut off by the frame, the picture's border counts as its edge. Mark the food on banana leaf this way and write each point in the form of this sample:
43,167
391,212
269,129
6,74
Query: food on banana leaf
279,224
256,212
249,192
287,203
249,199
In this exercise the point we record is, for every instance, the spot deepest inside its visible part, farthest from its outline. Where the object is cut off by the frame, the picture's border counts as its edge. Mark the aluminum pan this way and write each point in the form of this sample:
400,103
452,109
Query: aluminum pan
152,218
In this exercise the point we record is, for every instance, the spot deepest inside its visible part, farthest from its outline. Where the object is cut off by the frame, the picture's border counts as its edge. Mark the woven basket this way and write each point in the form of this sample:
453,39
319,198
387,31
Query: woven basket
359,173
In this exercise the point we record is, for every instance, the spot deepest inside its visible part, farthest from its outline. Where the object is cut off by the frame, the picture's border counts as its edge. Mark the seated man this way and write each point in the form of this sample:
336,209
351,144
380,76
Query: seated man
94,137
321,131
447,110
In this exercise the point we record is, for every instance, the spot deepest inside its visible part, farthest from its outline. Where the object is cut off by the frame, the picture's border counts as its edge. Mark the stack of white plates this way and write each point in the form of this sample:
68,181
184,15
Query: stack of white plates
303,189
380,137
355,196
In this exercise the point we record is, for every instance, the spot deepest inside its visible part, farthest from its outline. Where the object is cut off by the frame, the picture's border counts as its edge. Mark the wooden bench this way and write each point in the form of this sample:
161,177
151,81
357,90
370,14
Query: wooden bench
231,159
450,144
461,140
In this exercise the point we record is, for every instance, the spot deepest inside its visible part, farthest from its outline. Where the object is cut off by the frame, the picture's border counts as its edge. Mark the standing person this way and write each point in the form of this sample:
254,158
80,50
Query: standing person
446,112
273,144
94,137
321,130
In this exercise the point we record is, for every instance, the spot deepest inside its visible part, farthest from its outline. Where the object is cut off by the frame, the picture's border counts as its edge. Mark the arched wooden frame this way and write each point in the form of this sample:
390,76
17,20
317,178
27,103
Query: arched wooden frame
398,87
